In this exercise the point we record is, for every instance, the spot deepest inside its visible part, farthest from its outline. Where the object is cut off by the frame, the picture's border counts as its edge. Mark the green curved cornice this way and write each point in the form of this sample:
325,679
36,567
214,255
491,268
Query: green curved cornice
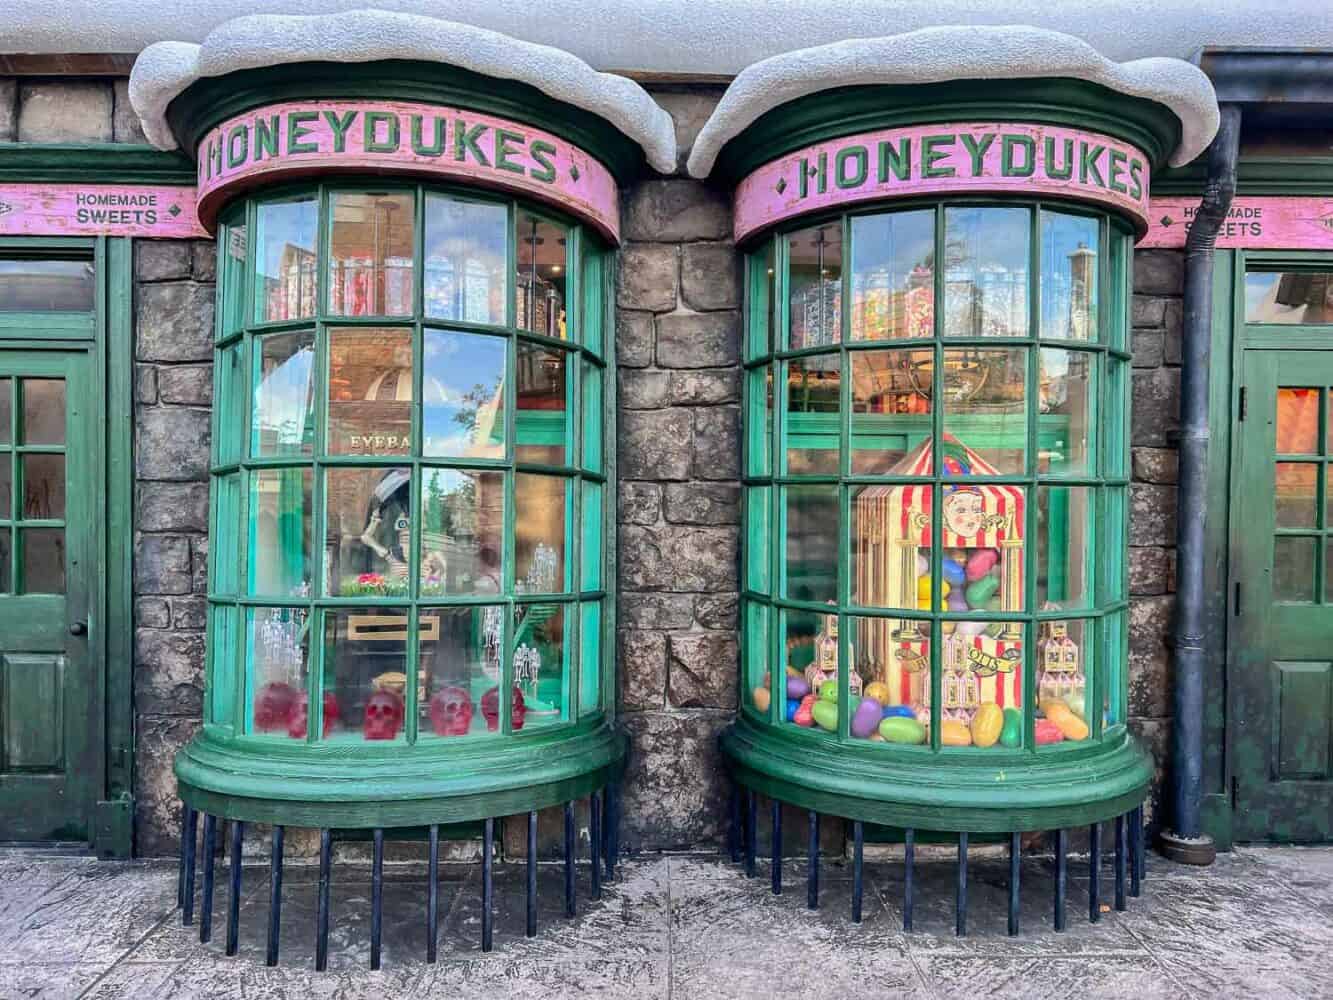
1255,175
842,111
212,100
93,163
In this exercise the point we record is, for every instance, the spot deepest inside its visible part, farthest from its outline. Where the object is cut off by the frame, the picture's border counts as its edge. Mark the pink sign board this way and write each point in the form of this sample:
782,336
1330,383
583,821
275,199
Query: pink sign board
971,158
1252,223
98,210
280,141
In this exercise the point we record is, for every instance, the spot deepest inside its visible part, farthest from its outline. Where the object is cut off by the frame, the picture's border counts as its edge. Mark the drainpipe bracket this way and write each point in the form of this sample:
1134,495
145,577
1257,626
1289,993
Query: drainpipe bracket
1200,851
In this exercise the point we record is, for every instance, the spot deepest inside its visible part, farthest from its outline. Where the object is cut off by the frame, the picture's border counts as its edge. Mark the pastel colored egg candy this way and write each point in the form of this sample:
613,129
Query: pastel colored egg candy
979,563
955,734
804,714
971,628
866,719
986,724
761,699
922,564
879,691
825,714
923,588
1048,732
792,706
828,691
958,600
899,712
1011,733
947,628
797,687
981,591
1073,728
955,573
900,730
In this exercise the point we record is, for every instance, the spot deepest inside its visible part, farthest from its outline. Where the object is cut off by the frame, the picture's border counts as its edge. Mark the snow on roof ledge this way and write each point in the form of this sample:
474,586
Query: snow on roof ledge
933,55
165,69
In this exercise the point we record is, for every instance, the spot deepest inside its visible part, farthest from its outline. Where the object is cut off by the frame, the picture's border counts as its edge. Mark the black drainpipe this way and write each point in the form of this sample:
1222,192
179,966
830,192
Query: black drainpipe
1186,842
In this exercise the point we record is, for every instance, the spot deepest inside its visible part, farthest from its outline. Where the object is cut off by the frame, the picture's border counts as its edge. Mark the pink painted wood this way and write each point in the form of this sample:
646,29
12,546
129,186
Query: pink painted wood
98,210
281,141
964,158
1253,223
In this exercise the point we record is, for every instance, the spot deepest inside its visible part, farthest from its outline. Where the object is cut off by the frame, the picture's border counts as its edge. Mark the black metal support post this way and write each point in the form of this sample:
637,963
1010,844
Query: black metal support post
487,885
960,898
1061,875
1120,862
275,899
187,902
812,864
322,912
776,872
595,835
571,903
1136,851
532,875
611,832
180,870
858,851
206,904
376,899
751,831
909,859
1015,860
1094,873
433,896
234,893
1186,841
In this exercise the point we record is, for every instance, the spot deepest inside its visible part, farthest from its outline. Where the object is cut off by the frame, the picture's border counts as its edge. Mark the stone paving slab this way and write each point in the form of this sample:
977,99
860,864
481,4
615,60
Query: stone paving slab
1259,924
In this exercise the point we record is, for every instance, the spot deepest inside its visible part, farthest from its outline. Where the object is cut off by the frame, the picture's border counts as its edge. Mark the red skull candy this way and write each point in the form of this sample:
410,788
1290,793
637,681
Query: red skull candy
300,717
490,708
273,706
384,716
450,711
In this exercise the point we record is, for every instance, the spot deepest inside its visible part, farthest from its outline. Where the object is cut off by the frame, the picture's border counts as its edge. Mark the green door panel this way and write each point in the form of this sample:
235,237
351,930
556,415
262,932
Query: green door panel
1281,644
50,718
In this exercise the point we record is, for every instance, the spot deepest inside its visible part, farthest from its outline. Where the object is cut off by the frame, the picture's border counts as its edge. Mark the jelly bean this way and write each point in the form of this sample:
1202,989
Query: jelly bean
797,687
901,730
981,591
923,588
761,699
955,573
792,706
971,628
979,563
899,712
946,628
1011,733
828,691
955,734
879,691
805,713
866,720
825,714
958,601
1048,732
922,564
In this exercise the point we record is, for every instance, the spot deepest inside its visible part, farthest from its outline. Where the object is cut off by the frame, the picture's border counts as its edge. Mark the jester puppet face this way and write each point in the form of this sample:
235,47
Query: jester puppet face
964,512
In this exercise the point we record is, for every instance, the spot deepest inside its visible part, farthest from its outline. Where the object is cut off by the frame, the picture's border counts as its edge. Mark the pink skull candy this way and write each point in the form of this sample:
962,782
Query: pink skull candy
490,708
384,716
273,706
450,711
300,717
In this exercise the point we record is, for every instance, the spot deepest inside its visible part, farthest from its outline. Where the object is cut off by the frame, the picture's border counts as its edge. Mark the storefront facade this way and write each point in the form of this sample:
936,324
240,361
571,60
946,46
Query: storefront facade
340,394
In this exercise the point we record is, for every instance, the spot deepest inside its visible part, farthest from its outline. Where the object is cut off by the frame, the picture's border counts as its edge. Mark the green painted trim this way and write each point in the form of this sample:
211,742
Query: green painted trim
1255,175
93,163
830,114
212,100
1049,791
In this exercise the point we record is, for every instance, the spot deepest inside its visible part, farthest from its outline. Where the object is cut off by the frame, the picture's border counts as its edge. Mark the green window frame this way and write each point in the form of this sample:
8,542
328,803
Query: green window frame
811,449
585,683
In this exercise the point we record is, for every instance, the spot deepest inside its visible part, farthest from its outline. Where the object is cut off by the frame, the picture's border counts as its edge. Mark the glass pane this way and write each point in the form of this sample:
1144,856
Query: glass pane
222,664
224,562
46,285
981,684
592,417
1067,412
1065,546
1297,421
231,273
759,421
1111,546
540,524
983,548
463,413
759,538
1293,569
284,417
368,532
6,409
591,555
43,411
1064,688
892,663
540,282
6,584
1294,495
466,260
280,510
985,412
893,276
1289,297
285,259
756,620
459,660
365,670
462,531
813,401
229,378
542,396
6,487
541,666
43,560
595,313
370,392
590,658
1069,246
891,394
278,651
811,515
986,272
760,305
814,286
370,254
1115,410
891,546
43,486
811,653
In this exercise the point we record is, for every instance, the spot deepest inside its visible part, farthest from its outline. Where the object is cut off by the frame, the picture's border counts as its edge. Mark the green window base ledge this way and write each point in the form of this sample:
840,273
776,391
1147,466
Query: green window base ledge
417,786
926,791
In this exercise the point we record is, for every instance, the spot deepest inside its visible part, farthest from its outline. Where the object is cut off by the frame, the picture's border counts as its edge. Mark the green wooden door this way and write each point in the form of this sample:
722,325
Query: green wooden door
1282,598
50,703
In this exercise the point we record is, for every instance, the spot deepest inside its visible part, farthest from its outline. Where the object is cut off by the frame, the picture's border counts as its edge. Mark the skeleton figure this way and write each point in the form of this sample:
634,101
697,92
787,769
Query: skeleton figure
432,563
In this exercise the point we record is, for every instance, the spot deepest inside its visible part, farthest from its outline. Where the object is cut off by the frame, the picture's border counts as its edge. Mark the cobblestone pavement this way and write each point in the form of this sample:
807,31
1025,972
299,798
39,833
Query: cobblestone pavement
1257,924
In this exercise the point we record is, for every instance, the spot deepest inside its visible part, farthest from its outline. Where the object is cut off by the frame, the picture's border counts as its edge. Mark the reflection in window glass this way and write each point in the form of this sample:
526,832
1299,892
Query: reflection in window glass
280,512
1289,297
811,514
6,487
1067,412
814,287
284,399
370,391
6,581
229,422
462,531
813,403
590,657
1064,681
540,282
46,285
278,652
463,413
541,665
370,254
42,560
986,272
224,560
1065,543
43,486
466,260
6,409
221,694
891,393
759,420
1297,421
539,533
285,259
755,619
893,276
231,271
1293,568
1294,495
1069,246
542,400
985,407
459,656
365,670
761,308
43,411
368,531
